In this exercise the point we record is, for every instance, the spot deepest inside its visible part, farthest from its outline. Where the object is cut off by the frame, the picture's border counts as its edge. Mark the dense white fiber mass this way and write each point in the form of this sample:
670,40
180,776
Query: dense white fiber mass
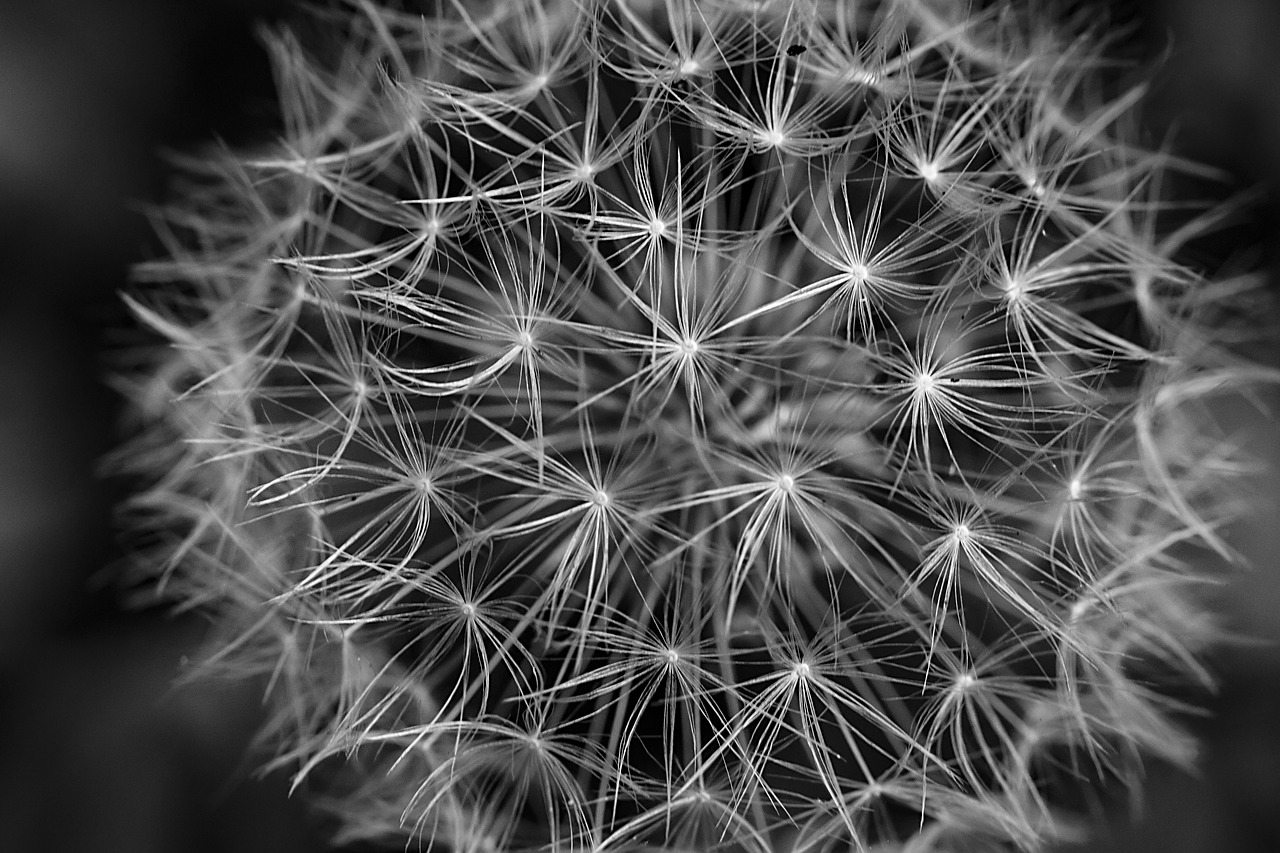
622,425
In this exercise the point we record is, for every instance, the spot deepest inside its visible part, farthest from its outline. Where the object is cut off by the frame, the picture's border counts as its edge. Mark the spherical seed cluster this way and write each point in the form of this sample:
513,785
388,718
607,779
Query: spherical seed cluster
625,425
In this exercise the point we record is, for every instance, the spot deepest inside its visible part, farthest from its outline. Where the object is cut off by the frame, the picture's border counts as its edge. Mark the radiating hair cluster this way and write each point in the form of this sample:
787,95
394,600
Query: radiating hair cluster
624,425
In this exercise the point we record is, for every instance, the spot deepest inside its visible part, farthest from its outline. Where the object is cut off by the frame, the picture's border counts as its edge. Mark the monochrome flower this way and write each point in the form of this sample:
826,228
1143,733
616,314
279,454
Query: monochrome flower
619,425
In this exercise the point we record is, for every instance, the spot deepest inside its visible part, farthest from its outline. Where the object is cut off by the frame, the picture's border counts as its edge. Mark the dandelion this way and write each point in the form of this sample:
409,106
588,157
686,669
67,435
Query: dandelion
618,425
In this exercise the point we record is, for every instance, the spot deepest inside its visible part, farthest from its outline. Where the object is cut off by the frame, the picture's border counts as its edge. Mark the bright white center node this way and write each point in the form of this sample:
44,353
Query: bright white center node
786,483
962,531
672,657
966,681
929,171
1075,488
689,68
432,228
925,383
1013,288
1078,610
859,272
524,340
657,227
468,610
772,137
1033,184
688,347
423,485
802,670
600,497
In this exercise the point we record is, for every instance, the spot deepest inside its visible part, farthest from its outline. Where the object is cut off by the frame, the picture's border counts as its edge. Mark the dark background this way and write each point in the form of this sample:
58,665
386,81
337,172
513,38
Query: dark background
97,752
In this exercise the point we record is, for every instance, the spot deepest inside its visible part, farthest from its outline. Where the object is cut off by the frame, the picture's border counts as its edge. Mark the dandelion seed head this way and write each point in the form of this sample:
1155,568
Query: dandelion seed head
660,470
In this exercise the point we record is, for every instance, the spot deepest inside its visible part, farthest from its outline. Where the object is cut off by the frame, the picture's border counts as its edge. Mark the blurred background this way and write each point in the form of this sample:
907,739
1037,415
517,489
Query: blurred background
97,751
